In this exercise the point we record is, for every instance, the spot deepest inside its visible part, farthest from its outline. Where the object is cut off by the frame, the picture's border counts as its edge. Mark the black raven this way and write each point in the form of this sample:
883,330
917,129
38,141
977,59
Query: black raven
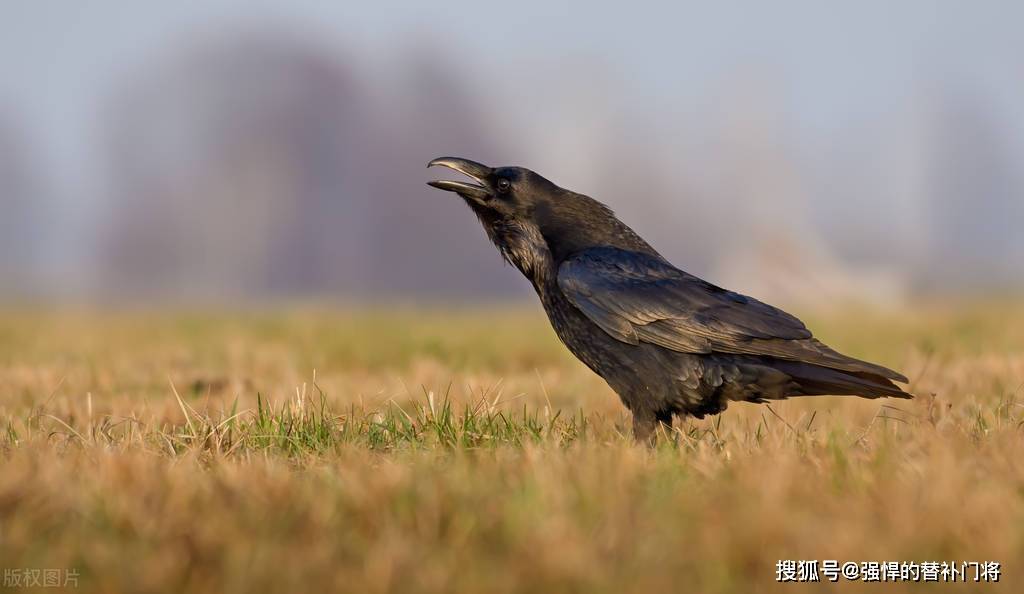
666,341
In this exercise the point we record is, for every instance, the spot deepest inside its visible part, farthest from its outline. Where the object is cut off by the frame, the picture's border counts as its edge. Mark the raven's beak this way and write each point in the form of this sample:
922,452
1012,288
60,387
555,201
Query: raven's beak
475,170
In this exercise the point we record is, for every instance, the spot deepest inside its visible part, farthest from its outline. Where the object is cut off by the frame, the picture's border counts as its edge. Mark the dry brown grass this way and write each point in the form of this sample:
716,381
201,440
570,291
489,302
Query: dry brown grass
522,480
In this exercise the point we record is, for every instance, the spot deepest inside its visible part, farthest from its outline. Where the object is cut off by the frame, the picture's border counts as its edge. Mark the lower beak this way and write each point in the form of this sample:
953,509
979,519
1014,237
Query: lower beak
466,167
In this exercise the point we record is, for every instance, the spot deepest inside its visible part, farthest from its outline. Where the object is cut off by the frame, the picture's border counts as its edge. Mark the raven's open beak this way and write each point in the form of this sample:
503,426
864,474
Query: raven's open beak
475,170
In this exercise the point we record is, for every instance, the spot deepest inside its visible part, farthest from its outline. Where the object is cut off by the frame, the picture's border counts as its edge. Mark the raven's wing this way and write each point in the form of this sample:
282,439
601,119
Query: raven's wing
637,297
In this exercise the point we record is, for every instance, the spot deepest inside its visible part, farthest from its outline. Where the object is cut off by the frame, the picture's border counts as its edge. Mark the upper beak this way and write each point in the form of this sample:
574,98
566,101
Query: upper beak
466,167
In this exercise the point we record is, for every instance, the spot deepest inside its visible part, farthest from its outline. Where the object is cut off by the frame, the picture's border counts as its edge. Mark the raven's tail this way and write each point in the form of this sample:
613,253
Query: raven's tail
813,380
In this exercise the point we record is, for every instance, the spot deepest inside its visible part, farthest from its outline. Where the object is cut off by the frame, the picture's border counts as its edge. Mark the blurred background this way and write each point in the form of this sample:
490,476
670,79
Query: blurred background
248,151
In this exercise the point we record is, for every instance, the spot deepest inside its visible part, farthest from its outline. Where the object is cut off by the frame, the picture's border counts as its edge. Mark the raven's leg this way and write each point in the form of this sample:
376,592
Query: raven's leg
645,422
665,422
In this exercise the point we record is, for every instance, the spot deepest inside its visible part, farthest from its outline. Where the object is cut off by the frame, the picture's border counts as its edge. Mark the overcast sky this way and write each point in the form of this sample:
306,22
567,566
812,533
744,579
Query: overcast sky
833,63
551,78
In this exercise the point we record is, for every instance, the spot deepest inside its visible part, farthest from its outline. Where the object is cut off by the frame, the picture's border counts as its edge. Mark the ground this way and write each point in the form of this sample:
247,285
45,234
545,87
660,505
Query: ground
463,450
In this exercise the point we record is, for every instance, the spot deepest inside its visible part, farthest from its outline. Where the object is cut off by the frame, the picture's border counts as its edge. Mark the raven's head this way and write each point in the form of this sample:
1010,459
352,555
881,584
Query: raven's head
505,201
534,223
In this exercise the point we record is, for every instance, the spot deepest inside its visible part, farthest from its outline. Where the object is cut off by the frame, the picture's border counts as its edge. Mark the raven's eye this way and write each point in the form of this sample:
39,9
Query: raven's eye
504,185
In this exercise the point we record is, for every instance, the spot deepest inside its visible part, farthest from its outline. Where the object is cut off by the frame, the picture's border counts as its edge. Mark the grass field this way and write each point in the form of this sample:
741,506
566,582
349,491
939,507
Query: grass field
318,449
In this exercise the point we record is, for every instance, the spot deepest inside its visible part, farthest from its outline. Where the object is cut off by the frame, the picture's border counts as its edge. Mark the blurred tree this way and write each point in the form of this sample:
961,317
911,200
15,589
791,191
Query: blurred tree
22,232
266,166
232,173
975,209
759,201
426,243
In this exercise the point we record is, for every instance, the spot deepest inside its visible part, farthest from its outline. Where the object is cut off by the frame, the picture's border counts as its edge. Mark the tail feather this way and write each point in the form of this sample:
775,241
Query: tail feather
813,380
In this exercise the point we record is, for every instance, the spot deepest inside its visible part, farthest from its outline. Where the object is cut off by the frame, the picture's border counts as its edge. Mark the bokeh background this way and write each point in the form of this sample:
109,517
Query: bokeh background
246,151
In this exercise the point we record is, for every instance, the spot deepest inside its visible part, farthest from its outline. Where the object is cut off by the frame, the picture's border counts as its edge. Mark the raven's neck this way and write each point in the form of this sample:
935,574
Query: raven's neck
523,246
574,223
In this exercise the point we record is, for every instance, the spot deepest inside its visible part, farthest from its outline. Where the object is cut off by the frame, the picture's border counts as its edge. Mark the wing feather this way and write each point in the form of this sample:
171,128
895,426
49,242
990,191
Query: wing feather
638,297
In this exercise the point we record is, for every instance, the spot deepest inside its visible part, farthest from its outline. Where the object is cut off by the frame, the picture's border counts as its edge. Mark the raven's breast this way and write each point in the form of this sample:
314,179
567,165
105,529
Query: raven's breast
645,376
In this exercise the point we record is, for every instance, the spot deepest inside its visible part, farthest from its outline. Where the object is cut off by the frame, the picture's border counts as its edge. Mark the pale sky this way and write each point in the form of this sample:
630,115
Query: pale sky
832,62
550,77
